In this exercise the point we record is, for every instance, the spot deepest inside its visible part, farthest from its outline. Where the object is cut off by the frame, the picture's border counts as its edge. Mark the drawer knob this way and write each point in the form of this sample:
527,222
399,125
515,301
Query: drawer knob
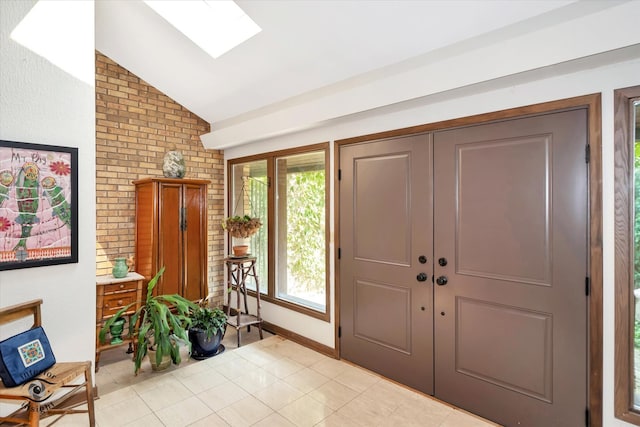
119,302
121,286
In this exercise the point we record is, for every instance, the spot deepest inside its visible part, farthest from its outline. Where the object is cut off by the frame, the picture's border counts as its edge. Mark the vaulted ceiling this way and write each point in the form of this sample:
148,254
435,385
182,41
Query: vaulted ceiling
310,48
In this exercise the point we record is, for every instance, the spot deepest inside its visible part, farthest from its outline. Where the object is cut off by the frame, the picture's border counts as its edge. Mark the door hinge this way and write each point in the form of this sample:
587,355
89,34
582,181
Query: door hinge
587,417
339,174
587,286
587,153
339,253
339,331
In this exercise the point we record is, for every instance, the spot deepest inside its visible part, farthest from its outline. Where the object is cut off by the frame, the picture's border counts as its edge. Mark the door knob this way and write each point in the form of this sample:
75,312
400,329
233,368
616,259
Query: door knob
422,259
421,277
442,262
442,280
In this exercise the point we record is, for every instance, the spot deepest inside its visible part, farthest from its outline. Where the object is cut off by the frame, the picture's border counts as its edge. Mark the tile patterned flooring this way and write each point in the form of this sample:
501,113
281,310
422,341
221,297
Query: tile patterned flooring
274,382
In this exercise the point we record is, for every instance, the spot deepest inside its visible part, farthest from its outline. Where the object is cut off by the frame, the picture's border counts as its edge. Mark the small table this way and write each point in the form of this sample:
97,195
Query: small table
111,295
238,270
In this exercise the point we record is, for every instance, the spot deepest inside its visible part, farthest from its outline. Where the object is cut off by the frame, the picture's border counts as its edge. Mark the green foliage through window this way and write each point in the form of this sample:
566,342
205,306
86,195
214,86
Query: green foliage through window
305,229
290,247
636,234
636,216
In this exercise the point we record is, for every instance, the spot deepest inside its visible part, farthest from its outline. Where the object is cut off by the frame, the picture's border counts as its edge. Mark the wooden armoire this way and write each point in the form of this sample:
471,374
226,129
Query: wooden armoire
171,231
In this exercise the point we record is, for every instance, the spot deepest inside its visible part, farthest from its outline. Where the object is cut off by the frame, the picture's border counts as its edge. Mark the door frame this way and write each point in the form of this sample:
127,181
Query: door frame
592,103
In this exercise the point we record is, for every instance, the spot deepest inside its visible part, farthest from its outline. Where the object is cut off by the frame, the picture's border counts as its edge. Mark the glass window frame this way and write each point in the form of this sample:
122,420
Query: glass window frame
244,188
271,288
624,121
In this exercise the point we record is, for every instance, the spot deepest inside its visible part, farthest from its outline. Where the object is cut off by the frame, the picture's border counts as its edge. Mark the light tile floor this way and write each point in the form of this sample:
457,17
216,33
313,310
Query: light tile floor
274,382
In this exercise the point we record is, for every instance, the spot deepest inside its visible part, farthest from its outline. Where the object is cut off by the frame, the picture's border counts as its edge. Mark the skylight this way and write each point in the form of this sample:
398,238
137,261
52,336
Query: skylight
217,26
57,31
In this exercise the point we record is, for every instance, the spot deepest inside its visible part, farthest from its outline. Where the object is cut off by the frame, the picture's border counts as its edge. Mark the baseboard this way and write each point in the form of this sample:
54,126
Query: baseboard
299,339
292,336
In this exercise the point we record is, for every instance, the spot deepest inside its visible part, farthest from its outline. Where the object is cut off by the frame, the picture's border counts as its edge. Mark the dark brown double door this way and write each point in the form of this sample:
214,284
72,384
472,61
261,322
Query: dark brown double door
463,265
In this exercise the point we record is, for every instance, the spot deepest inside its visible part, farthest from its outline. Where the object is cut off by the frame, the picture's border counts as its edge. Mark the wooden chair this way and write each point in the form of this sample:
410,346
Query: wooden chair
37,395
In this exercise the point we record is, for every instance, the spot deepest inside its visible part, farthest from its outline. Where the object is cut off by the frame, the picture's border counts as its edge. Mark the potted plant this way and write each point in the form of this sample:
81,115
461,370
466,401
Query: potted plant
241,227
157,326
207,329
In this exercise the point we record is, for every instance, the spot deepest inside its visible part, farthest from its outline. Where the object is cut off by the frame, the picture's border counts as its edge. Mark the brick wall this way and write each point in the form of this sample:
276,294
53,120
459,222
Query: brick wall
135,126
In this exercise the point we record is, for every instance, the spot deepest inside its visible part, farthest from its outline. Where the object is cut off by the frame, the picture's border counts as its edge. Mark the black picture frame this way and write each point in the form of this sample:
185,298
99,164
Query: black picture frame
38,205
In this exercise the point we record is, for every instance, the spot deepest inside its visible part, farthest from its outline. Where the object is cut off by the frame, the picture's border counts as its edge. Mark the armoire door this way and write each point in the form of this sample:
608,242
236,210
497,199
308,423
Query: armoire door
171,242
386,297
194,245
510,218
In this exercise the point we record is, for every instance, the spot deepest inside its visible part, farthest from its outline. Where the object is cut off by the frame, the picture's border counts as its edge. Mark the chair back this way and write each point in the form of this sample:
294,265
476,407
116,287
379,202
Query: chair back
22,310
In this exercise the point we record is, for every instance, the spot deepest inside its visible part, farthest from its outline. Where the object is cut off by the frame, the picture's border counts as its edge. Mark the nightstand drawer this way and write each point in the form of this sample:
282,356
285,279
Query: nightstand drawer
120,287
115,302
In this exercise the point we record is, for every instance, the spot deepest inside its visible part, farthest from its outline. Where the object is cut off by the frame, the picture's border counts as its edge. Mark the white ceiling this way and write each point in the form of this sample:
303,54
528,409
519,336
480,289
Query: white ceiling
305,46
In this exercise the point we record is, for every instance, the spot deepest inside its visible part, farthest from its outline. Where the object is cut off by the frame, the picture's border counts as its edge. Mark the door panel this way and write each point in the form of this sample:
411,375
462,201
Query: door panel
394,332
385,226
195,229
382,226
530,345
170,239
519,189
510,208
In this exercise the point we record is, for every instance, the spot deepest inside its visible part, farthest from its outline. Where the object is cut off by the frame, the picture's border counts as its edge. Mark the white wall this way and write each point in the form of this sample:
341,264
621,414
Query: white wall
598,74
40,103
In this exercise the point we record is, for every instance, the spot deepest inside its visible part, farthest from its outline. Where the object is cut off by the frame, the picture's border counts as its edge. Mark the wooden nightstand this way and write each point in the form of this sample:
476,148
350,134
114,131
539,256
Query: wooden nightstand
111,295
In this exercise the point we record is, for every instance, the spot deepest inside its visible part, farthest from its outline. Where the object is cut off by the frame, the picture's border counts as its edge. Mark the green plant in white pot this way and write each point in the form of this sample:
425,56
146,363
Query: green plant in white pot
159,325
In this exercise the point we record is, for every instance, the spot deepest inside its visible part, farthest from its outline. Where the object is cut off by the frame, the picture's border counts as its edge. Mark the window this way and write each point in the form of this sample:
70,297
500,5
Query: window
627,261
287,190
248,196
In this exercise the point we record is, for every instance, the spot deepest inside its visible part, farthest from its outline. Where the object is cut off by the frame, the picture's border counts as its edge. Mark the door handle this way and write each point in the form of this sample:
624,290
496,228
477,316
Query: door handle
442,262
183,219
422,277
442,280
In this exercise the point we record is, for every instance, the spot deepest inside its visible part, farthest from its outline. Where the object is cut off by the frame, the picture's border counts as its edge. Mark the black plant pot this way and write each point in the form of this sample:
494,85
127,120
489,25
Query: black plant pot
203,348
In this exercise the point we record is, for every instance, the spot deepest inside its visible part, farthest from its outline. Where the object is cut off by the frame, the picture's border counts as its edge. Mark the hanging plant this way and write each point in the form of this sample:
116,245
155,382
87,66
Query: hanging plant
241,227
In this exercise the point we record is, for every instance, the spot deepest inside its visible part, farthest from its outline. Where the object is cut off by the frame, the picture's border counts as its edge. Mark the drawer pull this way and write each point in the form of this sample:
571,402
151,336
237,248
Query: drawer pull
121,286
119,302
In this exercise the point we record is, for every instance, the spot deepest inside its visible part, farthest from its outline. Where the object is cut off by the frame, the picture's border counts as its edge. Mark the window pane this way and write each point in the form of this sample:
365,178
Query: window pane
300,230
636,260
627,253
249,197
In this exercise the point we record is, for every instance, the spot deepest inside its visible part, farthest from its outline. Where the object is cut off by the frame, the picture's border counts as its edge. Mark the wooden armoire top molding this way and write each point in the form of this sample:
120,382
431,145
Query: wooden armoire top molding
172,181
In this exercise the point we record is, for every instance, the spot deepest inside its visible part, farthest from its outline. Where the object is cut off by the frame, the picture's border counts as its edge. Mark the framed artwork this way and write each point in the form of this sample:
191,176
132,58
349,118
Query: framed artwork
38,205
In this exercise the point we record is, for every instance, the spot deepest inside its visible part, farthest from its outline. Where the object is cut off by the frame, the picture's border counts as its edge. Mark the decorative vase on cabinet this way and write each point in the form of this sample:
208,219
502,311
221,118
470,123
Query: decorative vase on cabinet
171,231
120,268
